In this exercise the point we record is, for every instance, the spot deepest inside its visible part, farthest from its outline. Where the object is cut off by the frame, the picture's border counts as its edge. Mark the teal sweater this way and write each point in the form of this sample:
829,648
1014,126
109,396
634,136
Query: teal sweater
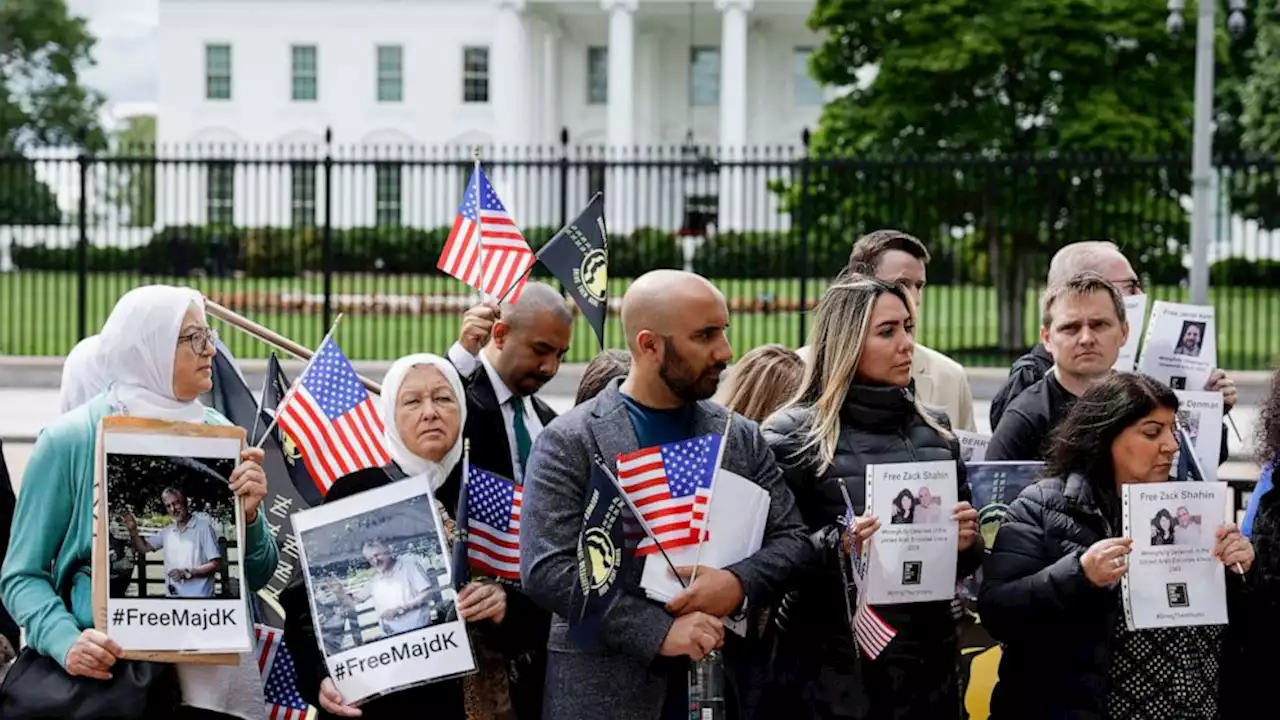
51,545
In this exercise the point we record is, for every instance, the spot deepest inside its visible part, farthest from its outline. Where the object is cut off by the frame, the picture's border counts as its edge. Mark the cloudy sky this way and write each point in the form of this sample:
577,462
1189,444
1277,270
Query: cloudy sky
126,52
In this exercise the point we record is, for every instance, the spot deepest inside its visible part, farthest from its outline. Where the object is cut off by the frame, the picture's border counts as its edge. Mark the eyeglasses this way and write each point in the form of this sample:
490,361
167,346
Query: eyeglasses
199,340
1129,286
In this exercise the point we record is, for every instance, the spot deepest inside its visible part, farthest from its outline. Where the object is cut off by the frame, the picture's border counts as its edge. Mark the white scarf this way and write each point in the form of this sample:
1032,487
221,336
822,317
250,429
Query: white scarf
82,375
136,349
414,465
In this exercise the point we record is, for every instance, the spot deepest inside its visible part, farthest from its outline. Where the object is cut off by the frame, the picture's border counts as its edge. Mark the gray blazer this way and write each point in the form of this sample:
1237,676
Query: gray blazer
621,681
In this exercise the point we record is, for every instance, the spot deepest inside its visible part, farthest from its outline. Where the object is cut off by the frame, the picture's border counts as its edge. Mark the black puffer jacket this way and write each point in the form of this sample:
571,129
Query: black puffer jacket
816,662
1053,623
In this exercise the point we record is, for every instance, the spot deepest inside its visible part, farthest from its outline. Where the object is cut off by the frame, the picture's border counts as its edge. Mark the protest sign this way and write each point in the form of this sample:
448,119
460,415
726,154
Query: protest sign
1200,414
1135,313
1181,349
913,554
973,446
163,496
378,575
1174,580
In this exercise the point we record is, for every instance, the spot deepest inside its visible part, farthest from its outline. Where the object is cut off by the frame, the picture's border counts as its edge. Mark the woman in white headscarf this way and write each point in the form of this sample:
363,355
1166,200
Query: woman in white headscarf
158,349
423,410
82,374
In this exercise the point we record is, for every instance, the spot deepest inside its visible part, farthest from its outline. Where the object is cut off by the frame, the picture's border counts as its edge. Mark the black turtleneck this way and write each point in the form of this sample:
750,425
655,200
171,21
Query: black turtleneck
878,407
1024,429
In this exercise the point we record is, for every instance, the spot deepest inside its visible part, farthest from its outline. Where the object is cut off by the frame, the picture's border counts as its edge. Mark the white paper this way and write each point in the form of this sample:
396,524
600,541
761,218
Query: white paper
737,517
392,657
1173,579
1181,348
973,446
913,554
1201,414
1135,312
196,624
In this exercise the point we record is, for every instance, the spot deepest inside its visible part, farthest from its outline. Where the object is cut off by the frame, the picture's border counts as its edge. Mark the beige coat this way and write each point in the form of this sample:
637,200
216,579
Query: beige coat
940,382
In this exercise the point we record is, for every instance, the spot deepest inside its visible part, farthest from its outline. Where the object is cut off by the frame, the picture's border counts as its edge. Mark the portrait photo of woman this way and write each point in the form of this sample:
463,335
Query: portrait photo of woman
1162,528
904,509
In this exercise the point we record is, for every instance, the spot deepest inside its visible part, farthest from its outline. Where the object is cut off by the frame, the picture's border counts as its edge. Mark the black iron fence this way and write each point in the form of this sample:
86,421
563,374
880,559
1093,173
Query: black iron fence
290,236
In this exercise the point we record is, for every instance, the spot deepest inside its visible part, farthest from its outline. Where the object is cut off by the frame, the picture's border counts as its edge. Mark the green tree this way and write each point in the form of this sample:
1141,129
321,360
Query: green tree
42,102
1256,194
133,171
1037,96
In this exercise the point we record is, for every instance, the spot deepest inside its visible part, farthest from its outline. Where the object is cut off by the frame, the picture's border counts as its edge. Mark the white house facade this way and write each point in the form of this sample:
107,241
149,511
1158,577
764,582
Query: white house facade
415,83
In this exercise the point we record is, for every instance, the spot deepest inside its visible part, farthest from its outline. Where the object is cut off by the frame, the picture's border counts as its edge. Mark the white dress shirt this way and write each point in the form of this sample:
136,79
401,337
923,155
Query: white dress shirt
465,363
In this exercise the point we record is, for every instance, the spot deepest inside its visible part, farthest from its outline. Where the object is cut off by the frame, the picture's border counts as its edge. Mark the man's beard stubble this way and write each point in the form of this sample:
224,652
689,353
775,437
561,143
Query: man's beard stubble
682,380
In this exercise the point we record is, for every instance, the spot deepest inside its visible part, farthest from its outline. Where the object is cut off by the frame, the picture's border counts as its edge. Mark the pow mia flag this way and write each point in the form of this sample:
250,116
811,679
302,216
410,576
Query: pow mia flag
605,551
578,256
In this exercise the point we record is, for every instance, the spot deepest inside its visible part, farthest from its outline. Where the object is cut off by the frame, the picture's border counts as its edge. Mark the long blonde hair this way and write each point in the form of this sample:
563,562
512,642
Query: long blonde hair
761,382
841,323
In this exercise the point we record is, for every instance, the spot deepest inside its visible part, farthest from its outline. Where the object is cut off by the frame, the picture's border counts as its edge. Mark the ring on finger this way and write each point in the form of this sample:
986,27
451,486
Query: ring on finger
1117,561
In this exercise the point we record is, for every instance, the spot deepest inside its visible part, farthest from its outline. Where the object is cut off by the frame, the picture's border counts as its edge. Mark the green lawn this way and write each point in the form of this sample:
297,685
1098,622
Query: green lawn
38,313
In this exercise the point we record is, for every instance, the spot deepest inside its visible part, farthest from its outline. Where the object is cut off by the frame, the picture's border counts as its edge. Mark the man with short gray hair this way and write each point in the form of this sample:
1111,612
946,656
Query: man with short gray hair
1097,256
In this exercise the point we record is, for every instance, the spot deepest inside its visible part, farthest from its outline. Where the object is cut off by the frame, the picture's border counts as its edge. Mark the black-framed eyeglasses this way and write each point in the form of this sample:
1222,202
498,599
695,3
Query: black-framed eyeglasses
199,340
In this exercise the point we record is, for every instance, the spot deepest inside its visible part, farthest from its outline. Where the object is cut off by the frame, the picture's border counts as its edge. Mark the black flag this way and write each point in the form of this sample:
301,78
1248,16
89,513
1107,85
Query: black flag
233,398
579,257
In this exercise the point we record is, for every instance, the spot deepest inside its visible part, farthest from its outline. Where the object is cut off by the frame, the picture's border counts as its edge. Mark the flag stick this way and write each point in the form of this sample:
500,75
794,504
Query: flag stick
706,519
297,383
272,338
262,401
639,518
1190,448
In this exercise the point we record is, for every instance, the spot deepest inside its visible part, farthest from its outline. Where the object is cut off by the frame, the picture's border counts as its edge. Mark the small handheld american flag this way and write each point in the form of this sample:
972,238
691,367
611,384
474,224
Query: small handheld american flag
670,486
279,676
485,248
332,420
493,524
870,631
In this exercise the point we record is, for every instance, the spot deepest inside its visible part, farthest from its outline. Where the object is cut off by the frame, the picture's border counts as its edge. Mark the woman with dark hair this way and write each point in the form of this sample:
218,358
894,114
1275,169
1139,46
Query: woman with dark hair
856,407
1162,528
904,509
1050,590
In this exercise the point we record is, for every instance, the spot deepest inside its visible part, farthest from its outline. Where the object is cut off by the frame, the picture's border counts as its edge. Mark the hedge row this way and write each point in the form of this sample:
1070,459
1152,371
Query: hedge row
288,252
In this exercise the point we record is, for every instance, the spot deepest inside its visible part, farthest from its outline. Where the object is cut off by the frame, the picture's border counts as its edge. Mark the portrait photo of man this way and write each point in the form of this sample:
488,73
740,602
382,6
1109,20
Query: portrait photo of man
1191,339
190,546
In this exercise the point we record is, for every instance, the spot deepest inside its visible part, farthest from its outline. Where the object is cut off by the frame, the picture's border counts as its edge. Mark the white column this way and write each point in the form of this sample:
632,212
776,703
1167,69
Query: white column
551,87
509,86
733,108
620,199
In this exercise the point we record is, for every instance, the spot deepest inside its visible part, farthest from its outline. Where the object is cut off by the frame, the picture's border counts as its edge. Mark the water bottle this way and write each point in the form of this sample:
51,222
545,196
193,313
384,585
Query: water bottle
706,688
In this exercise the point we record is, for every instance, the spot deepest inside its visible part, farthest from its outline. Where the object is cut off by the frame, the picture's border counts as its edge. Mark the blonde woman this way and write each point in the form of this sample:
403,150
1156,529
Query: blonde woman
856,407
764,380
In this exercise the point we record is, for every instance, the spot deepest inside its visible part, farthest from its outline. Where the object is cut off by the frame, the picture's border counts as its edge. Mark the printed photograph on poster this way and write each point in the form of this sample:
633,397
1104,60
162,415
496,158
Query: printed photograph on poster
973,446
1180,348
379,577
1135,313
1200,414
174,543
1173,579
913,555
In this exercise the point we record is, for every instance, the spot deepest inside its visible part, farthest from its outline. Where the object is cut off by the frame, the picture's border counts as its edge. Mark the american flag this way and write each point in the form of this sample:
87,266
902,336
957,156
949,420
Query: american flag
870,631
493,524
671,488
332,420
485,249
279,676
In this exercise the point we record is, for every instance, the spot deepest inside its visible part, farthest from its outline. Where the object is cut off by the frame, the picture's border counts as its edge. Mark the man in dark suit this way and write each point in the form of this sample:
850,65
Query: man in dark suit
505,356
675,325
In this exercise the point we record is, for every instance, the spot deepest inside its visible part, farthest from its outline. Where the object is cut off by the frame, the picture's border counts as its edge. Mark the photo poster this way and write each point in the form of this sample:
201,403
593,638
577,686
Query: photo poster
168,542
1200,412
913,554
1135,313
1174,580
379,580
1181,349
973,446
994,486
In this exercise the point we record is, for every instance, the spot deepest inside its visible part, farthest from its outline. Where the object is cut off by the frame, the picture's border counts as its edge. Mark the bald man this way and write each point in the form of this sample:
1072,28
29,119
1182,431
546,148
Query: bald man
505,355
637,667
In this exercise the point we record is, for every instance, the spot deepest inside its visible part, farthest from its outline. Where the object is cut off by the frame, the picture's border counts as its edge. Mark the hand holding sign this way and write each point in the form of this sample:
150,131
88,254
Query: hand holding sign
715,592
1233,548
1103,563
967,517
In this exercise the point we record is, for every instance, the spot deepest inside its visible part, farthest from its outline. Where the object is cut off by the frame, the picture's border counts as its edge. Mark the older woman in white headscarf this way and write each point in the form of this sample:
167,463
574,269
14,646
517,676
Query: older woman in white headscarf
157,348
82,374
424,411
